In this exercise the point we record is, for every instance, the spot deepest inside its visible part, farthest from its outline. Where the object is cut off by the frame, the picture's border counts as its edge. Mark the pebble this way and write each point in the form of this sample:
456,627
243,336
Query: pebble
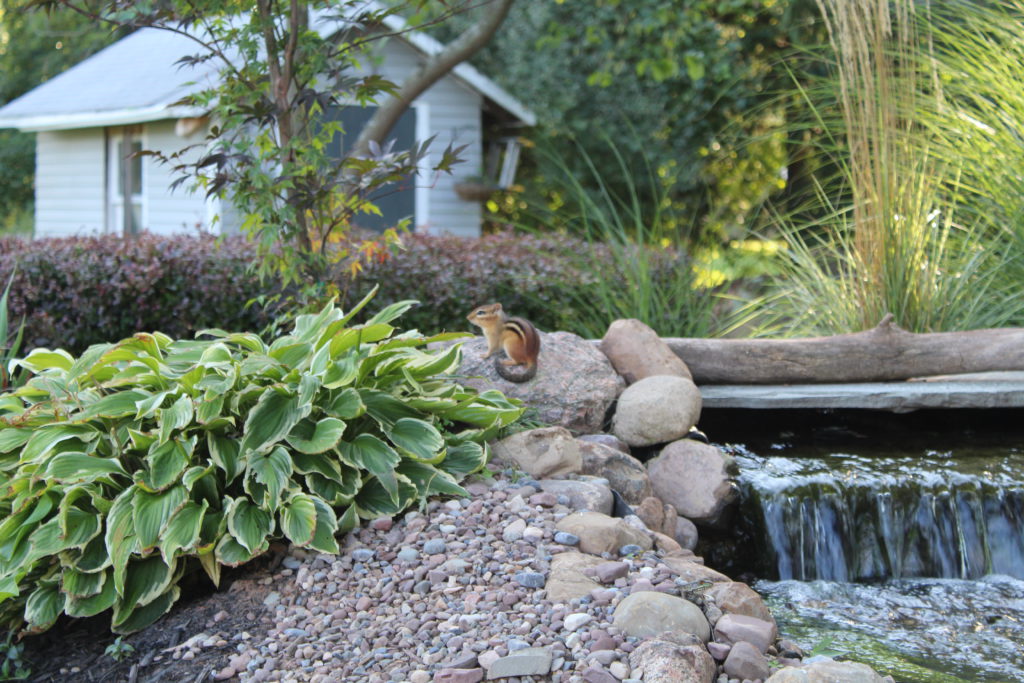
454,593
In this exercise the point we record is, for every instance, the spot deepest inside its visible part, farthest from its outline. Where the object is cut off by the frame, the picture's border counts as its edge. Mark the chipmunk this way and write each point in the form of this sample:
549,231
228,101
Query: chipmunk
517,336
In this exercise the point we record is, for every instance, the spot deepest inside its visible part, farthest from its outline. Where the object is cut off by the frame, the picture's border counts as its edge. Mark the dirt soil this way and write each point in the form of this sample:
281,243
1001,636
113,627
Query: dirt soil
73,650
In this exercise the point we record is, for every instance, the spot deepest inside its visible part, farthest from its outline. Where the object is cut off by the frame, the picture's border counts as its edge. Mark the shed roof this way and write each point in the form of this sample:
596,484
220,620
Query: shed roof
137,79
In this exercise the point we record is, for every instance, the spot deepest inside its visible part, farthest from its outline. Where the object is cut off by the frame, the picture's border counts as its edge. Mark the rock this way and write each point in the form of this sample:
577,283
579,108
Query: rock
666,544
636,351
607,572
595,675
574,387
655,410
565,538
693,477
434,546
459,676
566,580
600,533
734,628
663,661
719,650
745,661
574,621
530,579
531,661
686,533
827,672
652,512
513,531
688,570
624,473
649,613
582,495
608,440
734,597
619,669
545,452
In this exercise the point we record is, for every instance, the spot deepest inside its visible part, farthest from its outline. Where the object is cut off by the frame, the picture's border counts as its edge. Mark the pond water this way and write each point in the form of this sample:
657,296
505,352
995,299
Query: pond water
898,542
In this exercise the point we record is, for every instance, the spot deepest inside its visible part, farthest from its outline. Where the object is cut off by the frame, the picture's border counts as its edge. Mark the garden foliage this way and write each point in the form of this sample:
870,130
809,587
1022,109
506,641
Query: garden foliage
120,466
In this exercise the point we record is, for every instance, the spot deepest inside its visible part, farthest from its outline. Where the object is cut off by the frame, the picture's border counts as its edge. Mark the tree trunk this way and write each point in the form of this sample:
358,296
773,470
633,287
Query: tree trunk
459,50
883,354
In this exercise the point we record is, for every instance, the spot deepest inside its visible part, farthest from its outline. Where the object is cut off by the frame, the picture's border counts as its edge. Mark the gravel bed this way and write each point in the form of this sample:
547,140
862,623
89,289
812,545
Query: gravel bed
440,595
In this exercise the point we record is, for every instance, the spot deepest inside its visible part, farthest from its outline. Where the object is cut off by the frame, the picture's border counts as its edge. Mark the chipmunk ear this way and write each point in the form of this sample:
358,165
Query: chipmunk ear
497,307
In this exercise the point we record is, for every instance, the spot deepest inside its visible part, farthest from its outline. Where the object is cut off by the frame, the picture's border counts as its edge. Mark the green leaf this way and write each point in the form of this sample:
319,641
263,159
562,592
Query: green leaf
148,407
45,438
146,579
348,521
13,437
43,607
210,409
71,468
224,453
177,416
429,480
325,465
341,372
419,439
290,355
93,557
333,491
316,437
249,524
152,511
326,527
464,459
231,553
120,538
694,67
385,408
40,360
182,530
273,417
78,527
80,584
138,618
375,500
297,518
391,312
166,464
94,604
118,404
345,405
369,453
273,470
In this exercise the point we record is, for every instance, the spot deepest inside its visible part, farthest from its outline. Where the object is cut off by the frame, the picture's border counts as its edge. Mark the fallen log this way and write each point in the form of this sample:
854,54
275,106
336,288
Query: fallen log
885,353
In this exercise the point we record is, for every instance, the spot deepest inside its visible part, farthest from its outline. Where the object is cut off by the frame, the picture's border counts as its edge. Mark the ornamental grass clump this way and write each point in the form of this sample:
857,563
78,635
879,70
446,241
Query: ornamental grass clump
121,467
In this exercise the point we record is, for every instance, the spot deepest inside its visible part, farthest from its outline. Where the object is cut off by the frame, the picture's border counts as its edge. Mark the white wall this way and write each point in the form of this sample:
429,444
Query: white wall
452,112
70,183
164,212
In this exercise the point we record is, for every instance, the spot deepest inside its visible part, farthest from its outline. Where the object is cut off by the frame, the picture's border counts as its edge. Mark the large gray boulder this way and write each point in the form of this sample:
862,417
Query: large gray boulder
624,473
566,579
545,452
636,351
574,386
664,661
656,410
694,478
734,628
647,614
581,494
600,533
734,597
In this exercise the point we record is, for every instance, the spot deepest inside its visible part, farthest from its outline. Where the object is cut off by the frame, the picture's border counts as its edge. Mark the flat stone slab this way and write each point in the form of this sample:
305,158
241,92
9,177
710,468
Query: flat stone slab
899,397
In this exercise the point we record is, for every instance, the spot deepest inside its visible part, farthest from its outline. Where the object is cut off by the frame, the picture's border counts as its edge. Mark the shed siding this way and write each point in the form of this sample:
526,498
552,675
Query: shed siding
70,182
166,212
453,113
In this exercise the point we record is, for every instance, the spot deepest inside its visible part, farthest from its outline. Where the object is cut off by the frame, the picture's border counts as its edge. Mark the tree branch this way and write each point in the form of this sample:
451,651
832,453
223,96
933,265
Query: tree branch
458,51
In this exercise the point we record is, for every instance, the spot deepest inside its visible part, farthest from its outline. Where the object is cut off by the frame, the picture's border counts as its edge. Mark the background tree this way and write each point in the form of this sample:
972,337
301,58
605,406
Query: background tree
35,47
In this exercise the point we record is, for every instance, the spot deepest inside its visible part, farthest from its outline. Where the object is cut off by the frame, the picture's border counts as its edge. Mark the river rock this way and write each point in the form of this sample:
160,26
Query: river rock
451,675
609,440
574,386
566,580
746,662
624,473
685,533
828,672
530,661
735,628
600,533
688,570
582,494
649,613
694,478
545,452
663,661
656,410
636,351
734,597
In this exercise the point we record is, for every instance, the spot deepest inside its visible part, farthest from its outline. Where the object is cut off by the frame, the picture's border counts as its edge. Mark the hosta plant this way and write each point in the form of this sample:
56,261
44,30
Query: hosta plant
120,466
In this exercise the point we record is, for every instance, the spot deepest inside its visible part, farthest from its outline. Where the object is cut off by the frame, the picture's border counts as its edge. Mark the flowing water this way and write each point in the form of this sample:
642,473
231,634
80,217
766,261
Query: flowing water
903,549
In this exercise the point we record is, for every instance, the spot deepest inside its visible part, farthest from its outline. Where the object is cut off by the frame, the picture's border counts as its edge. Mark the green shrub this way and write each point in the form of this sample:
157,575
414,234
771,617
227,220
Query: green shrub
74,292
120,466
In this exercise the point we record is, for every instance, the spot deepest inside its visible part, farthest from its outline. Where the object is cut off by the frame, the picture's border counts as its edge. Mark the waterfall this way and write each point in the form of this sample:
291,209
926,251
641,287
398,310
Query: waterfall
843,517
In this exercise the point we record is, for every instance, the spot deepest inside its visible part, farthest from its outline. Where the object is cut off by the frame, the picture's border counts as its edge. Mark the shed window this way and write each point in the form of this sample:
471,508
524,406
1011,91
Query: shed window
125,178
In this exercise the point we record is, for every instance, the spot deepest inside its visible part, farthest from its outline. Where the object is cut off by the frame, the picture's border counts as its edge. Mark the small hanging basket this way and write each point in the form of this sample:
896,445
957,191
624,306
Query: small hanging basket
475,190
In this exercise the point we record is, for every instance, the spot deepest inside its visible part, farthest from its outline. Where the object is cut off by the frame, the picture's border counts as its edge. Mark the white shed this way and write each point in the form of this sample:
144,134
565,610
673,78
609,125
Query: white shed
122,99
